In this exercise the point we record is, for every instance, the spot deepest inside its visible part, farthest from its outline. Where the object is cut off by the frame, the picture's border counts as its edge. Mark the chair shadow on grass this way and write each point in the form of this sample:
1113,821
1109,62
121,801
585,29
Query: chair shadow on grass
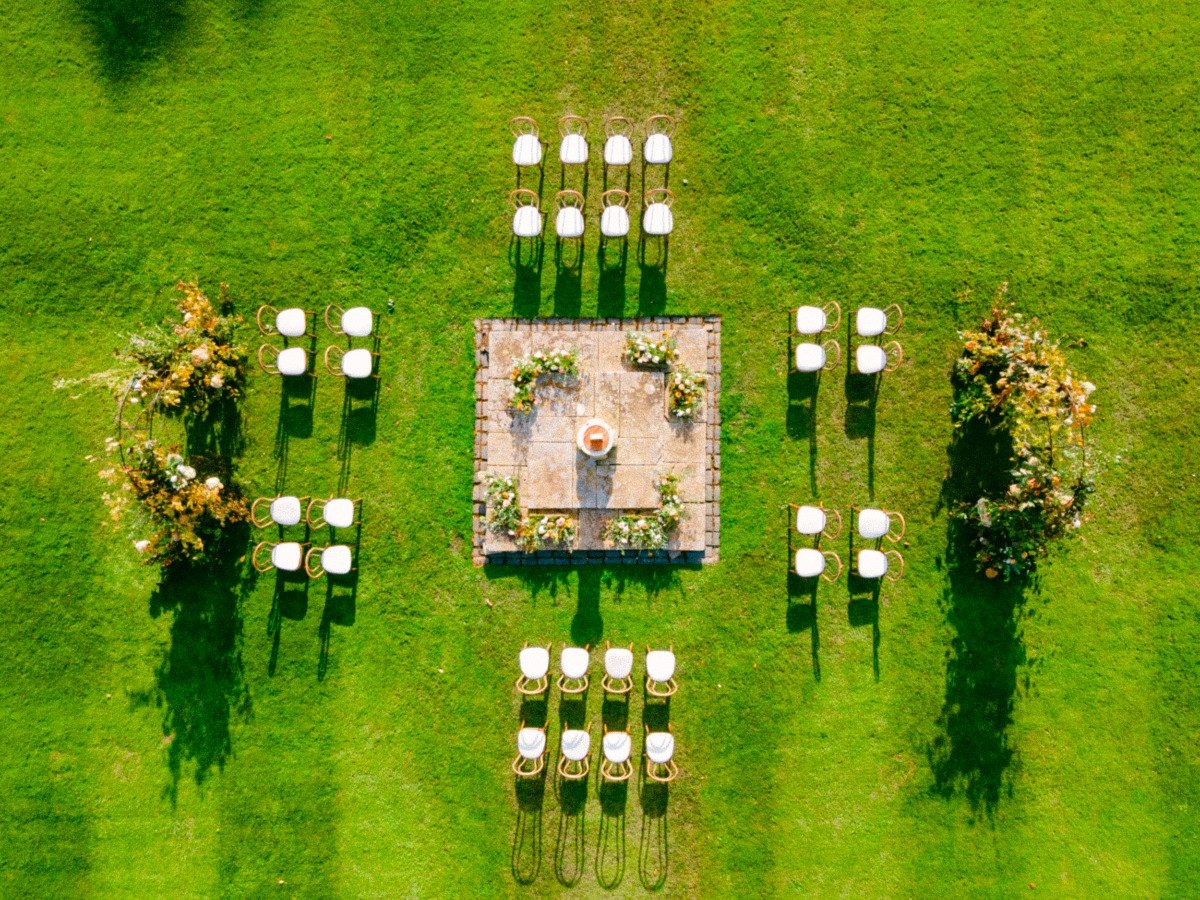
654,849
972,754
297,397
526,256
652,289
802,391
131,33
526,861
862,398
570,851
360,413
288,601
611,262
341,597
802,599
568,278
200,684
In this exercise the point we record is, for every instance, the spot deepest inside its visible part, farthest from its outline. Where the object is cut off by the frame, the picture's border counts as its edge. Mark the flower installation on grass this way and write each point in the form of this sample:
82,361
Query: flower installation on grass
529,534
528,369
179,512
644,352
1015,382
649,531
685,392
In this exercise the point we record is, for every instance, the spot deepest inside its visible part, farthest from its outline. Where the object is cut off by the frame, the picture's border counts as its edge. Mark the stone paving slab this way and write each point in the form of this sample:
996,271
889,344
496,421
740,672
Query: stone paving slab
539,447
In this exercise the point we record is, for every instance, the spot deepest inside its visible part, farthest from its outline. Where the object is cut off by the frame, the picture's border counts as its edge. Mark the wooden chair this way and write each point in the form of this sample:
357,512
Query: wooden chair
810,358
875,524
289,362
660,672
617,748
336,559
357,321
574,760
568,220
573,663
535,667
289,323
811,563
871,359
877,564
812,320
814,520
618,669
284,510
659,763
871,321
618,144
573,151
658,149
614,214
531,752
527,213
354,364
658,220
286,556
336,512
527,142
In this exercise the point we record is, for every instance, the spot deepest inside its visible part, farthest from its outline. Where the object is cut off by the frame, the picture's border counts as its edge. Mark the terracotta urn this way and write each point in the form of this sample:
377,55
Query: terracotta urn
595,438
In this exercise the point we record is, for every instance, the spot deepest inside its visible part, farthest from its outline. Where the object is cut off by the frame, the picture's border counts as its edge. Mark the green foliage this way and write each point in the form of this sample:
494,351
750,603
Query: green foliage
527,370
504,509
1012,378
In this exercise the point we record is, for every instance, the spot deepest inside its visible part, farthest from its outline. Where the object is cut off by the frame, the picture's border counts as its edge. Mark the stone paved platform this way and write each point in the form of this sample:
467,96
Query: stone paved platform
539,447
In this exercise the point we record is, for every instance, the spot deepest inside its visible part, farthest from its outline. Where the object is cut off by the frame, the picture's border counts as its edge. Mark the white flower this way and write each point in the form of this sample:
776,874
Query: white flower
213,483
200,354
216,380
142,546
187,472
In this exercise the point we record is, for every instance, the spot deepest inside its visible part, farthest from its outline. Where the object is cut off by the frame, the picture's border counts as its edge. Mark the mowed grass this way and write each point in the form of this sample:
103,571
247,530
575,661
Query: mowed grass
932,743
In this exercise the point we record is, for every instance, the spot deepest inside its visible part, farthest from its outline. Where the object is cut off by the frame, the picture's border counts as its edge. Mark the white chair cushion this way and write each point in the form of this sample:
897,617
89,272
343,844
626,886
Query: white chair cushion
658,219
531,742
576,744
336,560
870,359
660,665
357,363
291,322
618,151
574,662
292,361
810,357
617,747
534,662
872,564
574,150
527,222
569,222
873,523
527,150
809,562
358,321
660,746
618,662
810,519
870,321
614,222
285,511
286,556
658,150
810,320
339,512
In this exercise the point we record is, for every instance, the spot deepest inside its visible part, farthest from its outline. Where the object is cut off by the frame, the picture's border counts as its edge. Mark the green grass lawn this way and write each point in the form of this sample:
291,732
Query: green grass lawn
953,739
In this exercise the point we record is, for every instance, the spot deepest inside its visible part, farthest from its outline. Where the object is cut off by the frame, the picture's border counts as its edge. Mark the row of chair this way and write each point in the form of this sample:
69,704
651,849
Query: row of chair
574,663
291,556
528,146
295,321
814,520
286,510
355,364
574,762
569,224
869,322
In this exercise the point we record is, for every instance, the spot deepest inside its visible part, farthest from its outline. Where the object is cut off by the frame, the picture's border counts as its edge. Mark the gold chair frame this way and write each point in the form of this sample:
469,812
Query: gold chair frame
669,770
668,196
833,356
825,532
610,771
315,570
523,683
319,503
268,329
575,685
518,765
668,122
337,372
671,686
572,769
267,565
616,685
271,368
268,522
335,324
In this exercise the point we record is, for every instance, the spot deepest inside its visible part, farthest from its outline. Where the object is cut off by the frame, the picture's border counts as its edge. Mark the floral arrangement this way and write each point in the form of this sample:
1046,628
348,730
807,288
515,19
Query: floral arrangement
649,532
538,531
1014,380
185,368
647,353
685,392
528,369
179,514
504,512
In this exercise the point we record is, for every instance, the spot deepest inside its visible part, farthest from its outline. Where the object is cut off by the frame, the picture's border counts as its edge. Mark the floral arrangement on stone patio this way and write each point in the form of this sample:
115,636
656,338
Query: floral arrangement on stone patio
1013,383
527,370
645,352
554,530
528,533
685,392
649,531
